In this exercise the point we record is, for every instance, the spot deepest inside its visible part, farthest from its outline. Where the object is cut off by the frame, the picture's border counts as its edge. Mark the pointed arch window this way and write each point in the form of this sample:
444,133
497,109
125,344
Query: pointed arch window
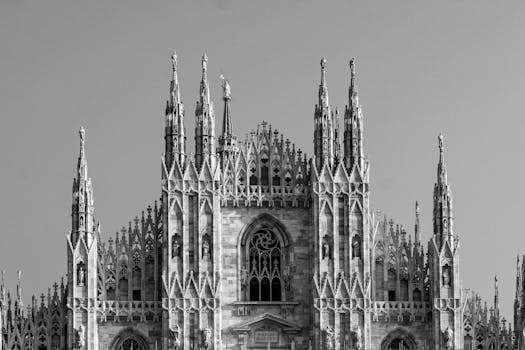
265,258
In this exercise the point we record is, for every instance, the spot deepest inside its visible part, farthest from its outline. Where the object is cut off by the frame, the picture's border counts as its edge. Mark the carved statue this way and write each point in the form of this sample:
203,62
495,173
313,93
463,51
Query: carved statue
206,338
81,274
446,275
327,248
287,277
329,338
358,338
174,339
206,252
448,337
175,246
244,277
356,247
81,337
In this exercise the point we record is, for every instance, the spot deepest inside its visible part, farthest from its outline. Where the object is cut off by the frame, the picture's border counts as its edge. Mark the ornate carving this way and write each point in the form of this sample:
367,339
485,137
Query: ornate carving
356,246
174,338
244,277
81,274
446,275
287,277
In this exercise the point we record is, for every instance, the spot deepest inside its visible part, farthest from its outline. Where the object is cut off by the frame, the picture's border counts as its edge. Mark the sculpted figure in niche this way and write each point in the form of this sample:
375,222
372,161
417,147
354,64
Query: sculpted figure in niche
446,275
244,276
356,247
358,338
174,339
175,245
80,335
448,338
81,274
326,248
206,246
287,276
329,338
206,338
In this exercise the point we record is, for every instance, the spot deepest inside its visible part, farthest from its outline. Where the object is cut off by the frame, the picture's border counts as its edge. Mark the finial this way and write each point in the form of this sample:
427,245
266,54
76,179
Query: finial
440,140
352,66
417,207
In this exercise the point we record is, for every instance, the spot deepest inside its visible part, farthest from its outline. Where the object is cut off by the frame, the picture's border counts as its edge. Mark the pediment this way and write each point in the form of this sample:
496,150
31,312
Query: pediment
267,319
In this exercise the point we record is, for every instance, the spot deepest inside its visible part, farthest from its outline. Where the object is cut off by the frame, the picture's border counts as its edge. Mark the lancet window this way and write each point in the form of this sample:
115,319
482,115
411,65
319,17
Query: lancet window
265,258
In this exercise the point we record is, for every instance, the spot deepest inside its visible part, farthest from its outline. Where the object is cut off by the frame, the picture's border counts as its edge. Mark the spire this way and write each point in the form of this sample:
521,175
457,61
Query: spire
496,297
83,208
443,218
19,305
323,90
227,119
416,226
174,135
324,128
205,88
205,121
174,86
227,141
353,121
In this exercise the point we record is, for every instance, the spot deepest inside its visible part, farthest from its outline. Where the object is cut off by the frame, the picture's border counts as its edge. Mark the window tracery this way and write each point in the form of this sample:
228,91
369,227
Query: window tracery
265,258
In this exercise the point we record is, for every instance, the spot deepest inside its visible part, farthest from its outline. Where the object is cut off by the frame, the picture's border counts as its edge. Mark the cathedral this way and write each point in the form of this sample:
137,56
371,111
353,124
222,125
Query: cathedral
253,245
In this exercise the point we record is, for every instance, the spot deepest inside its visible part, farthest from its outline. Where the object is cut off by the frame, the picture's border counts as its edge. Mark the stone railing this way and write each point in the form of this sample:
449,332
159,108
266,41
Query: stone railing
127,311
399,309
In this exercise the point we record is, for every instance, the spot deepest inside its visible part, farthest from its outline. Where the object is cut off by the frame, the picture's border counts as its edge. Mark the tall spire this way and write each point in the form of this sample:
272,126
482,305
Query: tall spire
353,121
324,128
174,135
204,88
416,226
205,121
496,297
227,141
443,218
323,90
83,208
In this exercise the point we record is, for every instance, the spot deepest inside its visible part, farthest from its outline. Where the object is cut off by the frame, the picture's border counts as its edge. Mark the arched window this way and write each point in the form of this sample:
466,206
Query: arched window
265,258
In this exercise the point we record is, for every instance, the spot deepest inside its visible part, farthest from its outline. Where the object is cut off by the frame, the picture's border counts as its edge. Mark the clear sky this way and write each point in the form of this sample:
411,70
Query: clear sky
423,68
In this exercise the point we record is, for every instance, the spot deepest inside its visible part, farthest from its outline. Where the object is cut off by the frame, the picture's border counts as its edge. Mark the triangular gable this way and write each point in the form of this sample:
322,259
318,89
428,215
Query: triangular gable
283,324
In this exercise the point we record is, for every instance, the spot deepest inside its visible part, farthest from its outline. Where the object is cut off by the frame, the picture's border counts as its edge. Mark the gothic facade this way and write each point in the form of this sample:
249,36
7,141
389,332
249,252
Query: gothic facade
254,245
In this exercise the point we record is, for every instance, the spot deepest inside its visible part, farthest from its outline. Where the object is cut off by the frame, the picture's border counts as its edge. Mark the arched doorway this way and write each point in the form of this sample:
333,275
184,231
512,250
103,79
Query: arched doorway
129,340
399,339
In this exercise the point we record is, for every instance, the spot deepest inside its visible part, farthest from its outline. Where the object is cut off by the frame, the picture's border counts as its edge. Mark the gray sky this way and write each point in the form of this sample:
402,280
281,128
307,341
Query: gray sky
423,67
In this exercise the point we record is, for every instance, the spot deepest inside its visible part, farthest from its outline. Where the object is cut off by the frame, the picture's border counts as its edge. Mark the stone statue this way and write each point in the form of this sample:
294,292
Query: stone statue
206,338
175,246
448,337
174,339
329,338
356,247
446,275
244,277
206,252
287,276
326,251
81,274
358,338
81,337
